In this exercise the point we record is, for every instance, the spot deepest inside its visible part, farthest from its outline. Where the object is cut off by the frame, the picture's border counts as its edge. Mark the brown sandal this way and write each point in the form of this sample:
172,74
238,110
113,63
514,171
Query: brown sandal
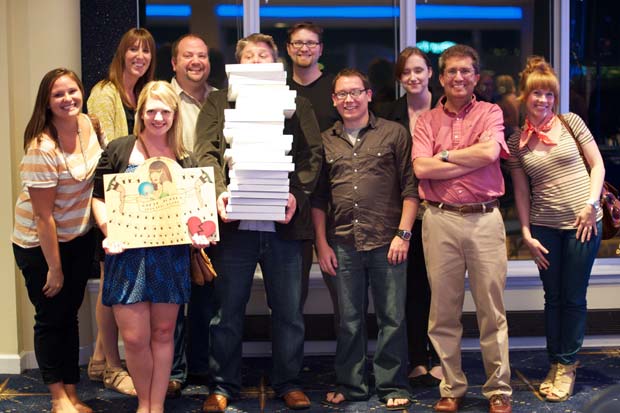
95,369
118,379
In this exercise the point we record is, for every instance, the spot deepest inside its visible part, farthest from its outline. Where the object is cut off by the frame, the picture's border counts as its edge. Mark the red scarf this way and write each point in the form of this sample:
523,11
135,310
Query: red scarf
541,132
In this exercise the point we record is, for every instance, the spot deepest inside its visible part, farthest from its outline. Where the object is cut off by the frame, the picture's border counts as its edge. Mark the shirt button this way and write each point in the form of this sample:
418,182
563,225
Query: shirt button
379,154
356,221
355,187
354,153
355,170
356,205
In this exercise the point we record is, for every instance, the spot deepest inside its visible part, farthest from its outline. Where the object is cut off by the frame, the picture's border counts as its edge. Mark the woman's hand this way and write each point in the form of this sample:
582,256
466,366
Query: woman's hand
586,224
54,283
201,241
538,252
112,247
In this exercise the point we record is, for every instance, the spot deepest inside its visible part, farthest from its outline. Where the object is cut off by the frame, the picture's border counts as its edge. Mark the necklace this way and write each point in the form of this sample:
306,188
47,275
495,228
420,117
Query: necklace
64,156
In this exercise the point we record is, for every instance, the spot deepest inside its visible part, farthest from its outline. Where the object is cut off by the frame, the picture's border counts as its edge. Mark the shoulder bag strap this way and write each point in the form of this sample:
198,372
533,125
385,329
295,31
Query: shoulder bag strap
572,134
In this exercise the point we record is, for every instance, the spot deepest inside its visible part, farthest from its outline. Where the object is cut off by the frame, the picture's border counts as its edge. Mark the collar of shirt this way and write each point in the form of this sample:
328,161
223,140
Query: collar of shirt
338,129
464,111
182,93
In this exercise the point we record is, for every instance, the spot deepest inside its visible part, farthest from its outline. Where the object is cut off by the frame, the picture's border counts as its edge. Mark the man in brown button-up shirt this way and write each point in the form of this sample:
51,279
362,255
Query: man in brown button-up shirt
368,184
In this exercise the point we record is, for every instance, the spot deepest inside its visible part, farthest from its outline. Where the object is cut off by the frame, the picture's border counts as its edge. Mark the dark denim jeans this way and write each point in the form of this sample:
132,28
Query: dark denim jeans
235,258
56,335
566,283
388,284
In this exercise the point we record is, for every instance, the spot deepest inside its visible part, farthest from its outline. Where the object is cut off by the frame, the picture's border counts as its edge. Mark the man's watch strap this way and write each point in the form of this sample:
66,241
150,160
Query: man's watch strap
404,234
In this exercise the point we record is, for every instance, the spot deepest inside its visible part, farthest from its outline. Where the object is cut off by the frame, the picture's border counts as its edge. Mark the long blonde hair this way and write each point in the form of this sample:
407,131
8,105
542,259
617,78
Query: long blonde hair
117,66
161,90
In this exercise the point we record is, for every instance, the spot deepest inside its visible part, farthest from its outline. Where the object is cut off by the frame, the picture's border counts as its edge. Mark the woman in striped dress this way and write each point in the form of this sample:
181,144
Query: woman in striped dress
53,240
558,205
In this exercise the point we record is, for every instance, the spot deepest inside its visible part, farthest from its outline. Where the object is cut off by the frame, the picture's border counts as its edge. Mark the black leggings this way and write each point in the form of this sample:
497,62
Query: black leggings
56,337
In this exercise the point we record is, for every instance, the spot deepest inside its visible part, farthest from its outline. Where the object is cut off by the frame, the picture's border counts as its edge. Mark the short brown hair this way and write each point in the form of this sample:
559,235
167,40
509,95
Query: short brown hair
538,74
350,72
407,52
175,45
459,50
256,38
318,30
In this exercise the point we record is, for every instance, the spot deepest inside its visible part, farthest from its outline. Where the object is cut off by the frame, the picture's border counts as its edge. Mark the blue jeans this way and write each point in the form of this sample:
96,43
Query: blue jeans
388,284
235,258
566,283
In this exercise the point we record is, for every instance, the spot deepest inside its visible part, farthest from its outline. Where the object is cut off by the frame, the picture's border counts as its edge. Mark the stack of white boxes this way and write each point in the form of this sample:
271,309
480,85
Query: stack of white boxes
258,158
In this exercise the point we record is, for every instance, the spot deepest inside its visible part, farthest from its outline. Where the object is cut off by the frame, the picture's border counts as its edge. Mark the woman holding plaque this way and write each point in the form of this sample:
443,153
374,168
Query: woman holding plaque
53,240
145,286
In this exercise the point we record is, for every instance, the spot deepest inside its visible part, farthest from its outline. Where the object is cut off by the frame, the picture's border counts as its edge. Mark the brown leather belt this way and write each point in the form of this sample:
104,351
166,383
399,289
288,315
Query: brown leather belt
481,208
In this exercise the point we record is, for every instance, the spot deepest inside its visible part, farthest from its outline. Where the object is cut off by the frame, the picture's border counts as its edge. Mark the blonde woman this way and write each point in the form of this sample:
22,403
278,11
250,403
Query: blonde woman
53,241
558,207
113,101
145,286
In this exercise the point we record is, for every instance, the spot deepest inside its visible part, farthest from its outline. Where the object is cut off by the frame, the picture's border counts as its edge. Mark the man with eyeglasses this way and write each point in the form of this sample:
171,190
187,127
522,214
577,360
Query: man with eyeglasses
456,151
363,211
276,246
305,47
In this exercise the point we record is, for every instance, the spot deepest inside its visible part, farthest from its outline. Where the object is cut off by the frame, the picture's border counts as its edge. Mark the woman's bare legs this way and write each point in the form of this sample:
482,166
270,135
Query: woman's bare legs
60,399
148,332
134,321
163,321
79,405
106,346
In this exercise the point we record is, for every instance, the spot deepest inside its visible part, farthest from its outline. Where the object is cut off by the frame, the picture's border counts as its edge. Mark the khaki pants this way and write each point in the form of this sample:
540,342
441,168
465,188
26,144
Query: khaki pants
476,243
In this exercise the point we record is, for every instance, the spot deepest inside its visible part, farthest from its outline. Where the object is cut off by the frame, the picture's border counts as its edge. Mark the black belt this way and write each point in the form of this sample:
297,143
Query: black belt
480,208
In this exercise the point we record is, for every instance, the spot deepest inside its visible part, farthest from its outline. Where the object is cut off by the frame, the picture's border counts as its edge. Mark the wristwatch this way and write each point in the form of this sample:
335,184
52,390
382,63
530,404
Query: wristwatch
594,203
444,155
404,234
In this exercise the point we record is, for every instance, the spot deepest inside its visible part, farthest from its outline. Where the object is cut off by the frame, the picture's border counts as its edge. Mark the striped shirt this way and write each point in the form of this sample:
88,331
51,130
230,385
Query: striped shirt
45,166
559,181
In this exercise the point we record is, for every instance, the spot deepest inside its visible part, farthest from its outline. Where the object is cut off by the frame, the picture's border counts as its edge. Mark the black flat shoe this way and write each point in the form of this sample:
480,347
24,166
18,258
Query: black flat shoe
429,380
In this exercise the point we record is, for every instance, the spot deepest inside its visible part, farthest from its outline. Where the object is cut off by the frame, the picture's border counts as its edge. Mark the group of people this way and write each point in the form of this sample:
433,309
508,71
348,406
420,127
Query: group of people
398,197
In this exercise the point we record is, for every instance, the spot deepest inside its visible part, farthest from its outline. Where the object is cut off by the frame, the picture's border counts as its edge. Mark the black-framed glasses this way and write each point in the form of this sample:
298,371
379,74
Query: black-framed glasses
355,93
310,44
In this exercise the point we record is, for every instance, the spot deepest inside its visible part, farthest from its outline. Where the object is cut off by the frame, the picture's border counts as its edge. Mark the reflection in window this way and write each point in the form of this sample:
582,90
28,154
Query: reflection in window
595,84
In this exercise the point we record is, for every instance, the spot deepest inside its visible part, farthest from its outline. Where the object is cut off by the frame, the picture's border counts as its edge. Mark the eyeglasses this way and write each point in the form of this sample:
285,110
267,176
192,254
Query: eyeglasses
298,44
465,72
355,93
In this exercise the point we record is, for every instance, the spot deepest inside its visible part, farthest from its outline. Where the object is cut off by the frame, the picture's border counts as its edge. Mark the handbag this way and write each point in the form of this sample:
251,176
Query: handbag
201,268
609,195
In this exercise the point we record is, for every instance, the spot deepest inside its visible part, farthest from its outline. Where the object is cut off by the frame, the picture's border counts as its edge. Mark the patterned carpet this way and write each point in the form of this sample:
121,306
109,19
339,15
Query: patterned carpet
597,389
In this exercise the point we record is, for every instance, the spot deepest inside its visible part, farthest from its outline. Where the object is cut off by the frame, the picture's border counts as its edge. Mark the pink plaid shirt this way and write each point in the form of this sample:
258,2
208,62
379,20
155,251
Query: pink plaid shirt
440,129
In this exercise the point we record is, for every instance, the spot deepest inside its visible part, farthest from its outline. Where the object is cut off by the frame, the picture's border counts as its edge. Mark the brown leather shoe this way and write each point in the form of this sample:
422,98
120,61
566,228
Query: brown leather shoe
448,404
215,403
500,403
296,400
174,389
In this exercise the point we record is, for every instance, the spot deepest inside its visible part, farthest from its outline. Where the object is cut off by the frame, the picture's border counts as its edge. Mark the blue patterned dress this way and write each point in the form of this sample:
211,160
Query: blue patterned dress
154,274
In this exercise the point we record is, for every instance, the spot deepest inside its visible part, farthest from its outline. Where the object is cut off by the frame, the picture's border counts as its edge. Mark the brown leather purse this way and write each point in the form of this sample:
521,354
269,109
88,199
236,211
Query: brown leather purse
201,268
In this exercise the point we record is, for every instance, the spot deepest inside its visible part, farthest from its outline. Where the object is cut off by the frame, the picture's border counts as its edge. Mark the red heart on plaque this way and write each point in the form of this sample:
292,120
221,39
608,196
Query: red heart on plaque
196,226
